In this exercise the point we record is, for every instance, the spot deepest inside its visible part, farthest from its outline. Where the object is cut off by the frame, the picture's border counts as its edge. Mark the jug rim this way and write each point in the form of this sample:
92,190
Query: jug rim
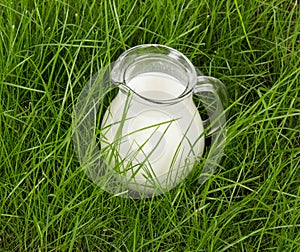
155,50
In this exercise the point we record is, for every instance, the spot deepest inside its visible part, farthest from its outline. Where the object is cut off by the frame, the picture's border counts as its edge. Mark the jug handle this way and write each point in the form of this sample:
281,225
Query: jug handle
213,95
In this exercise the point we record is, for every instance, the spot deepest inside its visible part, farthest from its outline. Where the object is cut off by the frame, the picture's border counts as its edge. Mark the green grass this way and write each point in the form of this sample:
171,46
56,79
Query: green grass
49,49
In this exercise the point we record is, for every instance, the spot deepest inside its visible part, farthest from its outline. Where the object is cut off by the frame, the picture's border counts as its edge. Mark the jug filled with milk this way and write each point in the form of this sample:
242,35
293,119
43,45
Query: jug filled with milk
152,134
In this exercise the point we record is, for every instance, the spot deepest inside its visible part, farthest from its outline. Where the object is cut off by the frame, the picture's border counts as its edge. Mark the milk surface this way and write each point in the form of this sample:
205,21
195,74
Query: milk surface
156,86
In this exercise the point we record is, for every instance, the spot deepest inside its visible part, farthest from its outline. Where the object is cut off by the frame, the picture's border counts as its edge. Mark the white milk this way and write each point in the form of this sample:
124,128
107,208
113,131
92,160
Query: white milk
157,140
156,86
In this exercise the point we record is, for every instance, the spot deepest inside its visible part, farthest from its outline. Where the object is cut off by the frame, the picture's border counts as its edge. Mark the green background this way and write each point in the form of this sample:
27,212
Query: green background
48,50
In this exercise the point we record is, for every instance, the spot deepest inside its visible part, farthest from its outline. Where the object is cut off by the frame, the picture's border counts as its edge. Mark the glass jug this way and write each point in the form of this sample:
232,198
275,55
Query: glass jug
151,134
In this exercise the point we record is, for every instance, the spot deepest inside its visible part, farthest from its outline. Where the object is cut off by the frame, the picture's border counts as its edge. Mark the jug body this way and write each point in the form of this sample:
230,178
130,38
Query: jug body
154,145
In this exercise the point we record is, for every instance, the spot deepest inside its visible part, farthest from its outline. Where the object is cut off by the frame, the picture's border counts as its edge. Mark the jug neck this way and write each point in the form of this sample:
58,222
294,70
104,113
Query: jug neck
135,67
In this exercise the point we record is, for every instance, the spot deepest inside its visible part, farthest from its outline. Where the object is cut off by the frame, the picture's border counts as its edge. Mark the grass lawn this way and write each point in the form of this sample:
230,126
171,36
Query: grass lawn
49,49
